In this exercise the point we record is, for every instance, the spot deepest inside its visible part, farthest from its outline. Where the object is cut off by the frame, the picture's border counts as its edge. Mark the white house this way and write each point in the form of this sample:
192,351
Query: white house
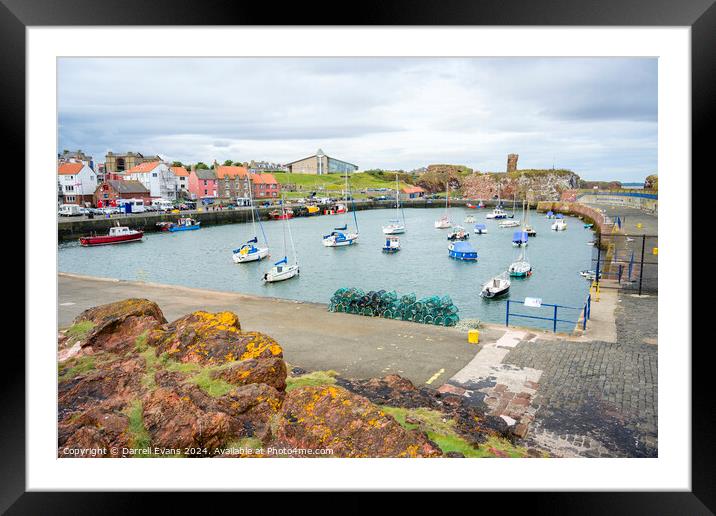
156,177
77,182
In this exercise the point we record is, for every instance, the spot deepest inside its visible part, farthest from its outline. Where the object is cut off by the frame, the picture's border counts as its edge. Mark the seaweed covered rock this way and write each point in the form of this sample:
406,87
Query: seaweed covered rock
212,338
391,390
115,326
271,371
329,417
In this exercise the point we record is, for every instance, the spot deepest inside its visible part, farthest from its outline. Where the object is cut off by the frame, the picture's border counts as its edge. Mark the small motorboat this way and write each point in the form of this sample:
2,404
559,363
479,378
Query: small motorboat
281,214
462,251
509,224
559,224
519,239
391,245
443,223
480,229
182,224
338,238
588,226
497,213
497,286
313,210
249,252
590,275
520,269
458,233
281,271
116,235
530,231
469,219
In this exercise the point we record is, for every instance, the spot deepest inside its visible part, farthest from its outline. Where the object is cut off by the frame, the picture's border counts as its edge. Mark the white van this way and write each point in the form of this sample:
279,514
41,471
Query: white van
136,205
70,210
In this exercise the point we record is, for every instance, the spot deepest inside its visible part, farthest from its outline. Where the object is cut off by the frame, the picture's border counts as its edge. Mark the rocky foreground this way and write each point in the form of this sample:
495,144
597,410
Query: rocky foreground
132,384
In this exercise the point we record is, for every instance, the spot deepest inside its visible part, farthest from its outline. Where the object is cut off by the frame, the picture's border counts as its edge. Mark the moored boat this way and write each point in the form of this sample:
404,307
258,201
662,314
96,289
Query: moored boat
281,271
497,286
559,224
182,224
480,229
281,214
395,227
391,245
509,224
469,219
458,233
462,251
519,238
116,235
444,221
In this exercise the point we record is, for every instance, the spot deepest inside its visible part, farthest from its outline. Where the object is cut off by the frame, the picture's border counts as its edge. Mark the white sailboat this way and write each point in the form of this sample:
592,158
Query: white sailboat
341,237
395,227
520,268
282,270
251,251
444,221
497,212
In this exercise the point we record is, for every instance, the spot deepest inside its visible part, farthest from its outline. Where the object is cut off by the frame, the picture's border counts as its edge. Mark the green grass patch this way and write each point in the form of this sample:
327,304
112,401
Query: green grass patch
75,367
212,386
441,430
79,331
311,379
139,437
140,343
336,182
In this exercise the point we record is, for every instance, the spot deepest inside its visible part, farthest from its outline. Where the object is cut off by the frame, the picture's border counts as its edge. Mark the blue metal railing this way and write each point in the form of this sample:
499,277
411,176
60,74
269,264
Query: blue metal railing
586,312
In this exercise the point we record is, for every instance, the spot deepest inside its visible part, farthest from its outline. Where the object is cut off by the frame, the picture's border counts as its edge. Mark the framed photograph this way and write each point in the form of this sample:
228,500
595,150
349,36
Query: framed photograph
269,255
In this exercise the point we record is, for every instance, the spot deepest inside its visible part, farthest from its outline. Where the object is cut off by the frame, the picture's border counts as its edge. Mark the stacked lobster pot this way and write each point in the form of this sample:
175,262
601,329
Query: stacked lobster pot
380,303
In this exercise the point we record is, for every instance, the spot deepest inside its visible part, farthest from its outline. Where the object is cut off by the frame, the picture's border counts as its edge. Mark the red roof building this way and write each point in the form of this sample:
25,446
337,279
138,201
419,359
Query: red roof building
265,186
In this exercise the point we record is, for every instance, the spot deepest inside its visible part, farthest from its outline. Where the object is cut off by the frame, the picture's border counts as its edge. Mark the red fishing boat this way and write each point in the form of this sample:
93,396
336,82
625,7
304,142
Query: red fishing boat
116,235
279,215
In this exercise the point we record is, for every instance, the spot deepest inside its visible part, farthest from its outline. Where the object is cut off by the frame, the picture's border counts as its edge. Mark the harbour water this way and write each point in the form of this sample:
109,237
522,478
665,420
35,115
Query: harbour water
202,259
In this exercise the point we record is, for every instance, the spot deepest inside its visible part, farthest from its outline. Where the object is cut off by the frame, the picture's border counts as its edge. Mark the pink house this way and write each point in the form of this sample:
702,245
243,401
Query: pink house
203,184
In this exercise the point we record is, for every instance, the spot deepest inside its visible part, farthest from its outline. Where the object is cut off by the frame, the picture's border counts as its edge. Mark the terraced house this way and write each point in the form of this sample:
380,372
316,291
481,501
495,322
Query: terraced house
76,183
232,182
203,184
156,177
265,186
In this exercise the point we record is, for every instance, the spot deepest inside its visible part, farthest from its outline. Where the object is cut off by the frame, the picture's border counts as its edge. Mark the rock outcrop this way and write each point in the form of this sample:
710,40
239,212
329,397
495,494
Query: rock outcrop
542,185
140,386
332,417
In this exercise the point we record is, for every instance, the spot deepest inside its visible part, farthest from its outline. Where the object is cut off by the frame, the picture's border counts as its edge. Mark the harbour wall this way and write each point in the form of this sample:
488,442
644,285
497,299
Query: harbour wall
71,228
644,201
587,213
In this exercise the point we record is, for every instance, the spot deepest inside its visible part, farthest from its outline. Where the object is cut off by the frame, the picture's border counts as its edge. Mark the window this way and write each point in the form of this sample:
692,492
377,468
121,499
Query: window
206,192
205,182
154,174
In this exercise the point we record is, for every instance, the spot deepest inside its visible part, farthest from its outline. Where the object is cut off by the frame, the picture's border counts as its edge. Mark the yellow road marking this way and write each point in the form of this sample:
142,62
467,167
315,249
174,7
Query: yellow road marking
435,376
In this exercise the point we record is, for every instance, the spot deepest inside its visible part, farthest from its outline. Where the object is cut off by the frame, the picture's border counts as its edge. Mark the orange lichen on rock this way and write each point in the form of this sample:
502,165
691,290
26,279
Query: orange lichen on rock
332,417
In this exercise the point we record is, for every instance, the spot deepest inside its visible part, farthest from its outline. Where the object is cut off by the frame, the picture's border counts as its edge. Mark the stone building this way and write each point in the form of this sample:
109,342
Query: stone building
117,163
320,164
512,162
110,191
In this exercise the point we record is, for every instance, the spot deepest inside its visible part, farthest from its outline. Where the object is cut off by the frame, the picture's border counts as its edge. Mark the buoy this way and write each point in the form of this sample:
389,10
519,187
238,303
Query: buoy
473,336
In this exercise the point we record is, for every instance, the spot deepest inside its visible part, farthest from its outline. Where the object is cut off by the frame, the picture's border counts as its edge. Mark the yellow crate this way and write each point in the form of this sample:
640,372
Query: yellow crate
655,251
473,336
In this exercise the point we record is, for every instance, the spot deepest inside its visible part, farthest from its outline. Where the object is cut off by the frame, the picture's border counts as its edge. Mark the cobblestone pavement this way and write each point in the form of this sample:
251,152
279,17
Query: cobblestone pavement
597,399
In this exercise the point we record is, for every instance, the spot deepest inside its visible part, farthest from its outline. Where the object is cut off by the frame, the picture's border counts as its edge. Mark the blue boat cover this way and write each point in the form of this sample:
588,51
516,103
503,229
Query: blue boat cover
463,247
480,226
345,227
519,236
560,216
281,261
550,213
253,241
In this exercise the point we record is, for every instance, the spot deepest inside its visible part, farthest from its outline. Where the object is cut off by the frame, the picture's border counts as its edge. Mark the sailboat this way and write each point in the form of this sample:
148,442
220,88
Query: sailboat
520,268
281,270
519,238
251,251
340,236
444,221
528,227
395,227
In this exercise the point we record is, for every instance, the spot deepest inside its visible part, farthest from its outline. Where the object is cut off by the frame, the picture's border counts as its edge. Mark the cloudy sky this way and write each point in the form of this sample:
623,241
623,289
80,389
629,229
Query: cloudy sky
596,116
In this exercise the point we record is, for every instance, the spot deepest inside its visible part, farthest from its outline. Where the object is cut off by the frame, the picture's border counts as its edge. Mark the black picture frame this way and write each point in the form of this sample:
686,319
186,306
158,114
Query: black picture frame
17,15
